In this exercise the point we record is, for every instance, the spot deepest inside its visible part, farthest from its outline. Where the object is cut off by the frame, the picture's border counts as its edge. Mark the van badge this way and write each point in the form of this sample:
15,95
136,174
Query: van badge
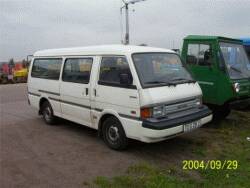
182,106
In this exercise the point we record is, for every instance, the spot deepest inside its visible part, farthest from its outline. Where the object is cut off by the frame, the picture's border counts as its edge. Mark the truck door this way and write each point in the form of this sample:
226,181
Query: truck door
201,60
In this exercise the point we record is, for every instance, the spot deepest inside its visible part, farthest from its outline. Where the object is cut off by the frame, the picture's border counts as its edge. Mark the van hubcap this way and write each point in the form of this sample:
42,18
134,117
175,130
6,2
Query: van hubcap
113,133
47,113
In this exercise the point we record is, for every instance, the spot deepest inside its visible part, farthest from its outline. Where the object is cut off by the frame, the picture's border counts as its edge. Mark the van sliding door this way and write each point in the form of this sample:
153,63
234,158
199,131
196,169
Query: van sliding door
75,89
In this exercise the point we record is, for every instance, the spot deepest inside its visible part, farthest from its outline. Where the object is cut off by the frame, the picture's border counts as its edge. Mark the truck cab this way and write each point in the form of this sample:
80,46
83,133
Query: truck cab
222,68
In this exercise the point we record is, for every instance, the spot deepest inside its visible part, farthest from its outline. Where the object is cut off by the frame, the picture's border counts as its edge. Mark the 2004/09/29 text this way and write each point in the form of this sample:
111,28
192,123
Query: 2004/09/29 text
210,164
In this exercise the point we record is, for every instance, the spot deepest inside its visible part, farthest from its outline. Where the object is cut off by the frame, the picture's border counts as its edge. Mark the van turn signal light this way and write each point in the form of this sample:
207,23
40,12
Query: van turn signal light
145,113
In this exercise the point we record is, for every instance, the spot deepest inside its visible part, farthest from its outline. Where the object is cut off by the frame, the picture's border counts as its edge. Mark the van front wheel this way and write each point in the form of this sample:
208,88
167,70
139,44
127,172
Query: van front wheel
48,114
113,134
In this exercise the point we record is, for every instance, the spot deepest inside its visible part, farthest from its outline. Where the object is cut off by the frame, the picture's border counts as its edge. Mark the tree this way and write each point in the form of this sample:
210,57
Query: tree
11,65
24,63
11,62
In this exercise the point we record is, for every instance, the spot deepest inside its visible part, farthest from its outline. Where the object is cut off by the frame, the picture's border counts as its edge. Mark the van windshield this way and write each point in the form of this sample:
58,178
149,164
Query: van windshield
236,60
159,69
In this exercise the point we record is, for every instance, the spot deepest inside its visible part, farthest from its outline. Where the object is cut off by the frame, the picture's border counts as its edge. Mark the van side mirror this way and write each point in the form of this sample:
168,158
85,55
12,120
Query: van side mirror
125,79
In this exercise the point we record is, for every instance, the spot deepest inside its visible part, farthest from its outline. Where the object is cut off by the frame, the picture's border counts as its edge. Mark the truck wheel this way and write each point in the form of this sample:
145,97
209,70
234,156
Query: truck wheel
48,114
113,134
221,112
225,112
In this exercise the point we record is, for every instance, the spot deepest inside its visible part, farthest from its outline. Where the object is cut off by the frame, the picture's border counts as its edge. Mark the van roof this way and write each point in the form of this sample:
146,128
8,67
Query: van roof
99,50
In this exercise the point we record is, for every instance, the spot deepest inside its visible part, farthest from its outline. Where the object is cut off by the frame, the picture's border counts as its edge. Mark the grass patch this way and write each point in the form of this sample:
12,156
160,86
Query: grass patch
227,140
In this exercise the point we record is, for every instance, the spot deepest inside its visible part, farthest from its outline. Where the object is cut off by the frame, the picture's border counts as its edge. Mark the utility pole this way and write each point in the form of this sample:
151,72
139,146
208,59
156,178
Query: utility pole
127,24
126,6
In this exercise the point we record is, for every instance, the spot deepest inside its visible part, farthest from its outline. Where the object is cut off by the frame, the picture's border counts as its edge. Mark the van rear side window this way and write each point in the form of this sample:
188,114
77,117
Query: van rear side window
47,68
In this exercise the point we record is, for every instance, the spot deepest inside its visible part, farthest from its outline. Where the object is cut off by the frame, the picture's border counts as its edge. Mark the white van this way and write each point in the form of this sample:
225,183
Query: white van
135,92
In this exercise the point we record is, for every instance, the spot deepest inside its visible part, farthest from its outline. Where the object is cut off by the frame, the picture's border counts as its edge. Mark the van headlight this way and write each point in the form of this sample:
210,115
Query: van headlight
153,112
158,111
236,87
199,101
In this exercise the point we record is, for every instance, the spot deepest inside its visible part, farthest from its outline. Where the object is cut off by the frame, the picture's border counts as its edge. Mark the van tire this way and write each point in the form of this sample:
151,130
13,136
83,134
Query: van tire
113,134
47,113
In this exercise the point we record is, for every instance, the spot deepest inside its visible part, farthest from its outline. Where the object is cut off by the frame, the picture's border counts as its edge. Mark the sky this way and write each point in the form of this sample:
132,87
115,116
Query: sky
30,25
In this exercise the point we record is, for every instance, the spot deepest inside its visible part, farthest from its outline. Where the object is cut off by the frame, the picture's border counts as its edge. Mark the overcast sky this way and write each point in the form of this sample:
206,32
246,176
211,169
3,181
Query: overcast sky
30,25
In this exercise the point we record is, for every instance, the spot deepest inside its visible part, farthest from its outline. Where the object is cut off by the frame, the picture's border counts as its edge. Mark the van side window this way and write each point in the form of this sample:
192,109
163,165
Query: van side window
46,68
77,70
199,54
111,69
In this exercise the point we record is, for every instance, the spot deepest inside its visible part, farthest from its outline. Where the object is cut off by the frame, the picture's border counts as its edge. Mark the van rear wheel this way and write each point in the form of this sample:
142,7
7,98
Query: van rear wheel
113,134
48,114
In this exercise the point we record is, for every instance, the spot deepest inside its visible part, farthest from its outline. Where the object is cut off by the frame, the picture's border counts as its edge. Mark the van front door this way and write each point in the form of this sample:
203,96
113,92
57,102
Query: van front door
113,95
201,63
75,86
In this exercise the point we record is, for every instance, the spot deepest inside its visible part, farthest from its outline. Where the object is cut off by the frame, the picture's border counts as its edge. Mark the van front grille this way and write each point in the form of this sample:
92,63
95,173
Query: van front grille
182,106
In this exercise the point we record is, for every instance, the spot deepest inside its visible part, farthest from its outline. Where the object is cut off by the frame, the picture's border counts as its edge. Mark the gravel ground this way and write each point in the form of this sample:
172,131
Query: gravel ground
33,154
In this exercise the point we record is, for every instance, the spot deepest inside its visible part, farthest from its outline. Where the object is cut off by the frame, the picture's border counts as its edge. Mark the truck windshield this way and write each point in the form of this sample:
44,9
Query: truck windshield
159,69
236,60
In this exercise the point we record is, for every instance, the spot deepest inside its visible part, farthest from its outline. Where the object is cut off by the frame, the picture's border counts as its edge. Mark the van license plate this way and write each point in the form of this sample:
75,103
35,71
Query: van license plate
191,126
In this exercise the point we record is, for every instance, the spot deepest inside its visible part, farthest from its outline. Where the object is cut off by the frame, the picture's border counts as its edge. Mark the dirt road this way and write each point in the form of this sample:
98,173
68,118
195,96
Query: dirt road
33,154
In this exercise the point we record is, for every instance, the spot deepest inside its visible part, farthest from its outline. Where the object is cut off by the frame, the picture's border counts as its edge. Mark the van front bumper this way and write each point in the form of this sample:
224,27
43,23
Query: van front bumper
154,131
174,122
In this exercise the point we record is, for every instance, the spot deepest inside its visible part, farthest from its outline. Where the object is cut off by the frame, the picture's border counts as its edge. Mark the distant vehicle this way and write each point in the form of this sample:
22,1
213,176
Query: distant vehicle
135,92
5,72
246,43
16,74
20,75
221,67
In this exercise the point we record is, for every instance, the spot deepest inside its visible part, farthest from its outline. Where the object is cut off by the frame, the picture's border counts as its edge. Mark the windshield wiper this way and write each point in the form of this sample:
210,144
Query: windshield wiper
235,69
161,83
185,80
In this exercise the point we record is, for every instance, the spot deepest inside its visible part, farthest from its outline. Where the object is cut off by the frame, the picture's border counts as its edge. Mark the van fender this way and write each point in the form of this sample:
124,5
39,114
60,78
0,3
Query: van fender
106,113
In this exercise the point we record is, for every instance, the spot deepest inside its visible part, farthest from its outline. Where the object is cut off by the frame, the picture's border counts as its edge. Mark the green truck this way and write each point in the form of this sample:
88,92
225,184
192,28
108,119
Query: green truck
221,67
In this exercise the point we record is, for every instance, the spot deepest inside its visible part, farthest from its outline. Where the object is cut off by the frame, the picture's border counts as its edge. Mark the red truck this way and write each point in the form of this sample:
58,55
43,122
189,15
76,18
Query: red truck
7,73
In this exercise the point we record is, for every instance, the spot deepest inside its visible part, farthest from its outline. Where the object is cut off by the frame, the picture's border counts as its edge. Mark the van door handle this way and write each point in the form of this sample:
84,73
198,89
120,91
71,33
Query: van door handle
87,91
95,92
